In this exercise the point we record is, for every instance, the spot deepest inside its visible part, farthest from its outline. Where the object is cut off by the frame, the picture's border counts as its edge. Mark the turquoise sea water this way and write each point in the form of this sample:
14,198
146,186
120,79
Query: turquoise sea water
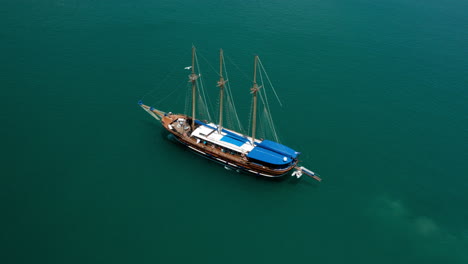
375,97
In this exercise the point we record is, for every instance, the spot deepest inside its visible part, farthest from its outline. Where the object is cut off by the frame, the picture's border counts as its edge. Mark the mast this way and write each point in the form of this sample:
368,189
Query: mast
193,78
254,90
221,83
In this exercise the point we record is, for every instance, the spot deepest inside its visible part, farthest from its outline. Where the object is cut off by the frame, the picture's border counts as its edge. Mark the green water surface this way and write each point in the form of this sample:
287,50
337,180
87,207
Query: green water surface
375,97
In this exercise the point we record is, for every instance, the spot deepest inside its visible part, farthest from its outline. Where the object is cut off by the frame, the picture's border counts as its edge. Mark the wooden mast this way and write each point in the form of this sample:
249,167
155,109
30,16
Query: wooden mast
193,78
254,90
221,90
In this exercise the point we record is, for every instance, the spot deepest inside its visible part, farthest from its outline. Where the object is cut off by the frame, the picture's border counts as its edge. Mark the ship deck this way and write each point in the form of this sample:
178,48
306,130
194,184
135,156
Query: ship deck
225,139
227,146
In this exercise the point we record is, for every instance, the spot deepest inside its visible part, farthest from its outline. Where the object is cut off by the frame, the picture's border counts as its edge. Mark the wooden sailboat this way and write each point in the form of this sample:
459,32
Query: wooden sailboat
235,150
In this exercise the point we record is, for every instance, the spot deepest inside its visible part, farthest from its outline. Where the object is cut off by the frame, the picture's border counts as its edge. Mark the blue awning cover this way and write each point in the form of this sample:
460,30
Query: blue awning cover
279,148
268,156
233,140
274,153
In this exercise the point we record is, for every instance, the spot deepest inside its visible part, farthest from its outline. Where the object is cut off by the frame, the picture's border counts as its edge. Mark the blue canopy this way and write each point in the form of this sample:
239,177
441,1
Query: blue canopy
233,140
279,148
268,156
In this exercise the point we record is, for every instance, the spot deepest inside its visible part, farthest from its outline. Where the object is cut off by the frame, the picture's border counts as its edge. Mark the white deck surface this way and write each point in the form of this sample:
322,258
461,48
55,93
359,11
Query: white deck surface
206,133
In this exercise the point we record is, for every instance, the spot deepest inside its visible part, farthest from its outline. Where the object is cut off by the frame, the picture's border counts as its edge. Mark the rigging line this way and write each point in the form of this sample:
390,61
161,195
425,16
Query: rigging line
202,90
233,107
171,72
241,71
209,64
233,111
268,78
156,88
265,125
188,95
269,118
250,118
203,113
266,122
204,102
230,97
267,108
157,102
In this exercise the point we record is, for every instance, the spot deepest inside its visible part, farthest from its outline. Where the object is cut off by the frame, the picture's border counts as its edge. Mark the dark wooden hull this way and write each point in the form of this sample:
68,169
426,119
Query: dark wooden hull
237,163
244,167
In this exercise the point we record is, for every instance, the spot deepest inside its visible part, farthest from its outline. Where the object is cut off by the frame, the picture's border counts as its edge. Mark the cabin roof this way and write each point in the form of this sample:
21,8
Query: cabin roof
226,138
